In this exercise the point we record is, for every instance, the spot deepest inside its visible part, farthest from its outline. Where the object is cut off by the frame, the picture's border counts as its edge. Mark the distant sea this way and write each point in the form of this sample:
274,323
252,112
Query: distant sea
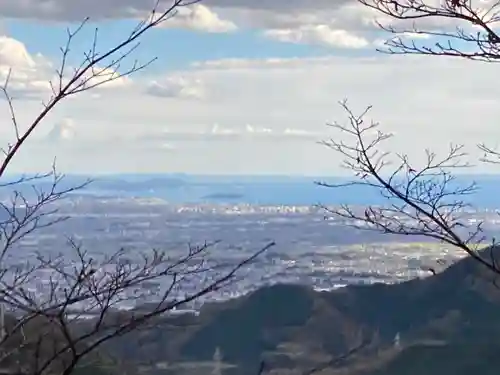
263,190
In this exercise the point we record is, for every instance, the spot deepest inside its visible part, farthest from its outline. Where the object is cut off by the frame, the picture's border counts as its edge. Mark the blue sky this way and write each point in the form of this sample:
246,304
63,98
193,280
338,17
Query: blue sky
239,87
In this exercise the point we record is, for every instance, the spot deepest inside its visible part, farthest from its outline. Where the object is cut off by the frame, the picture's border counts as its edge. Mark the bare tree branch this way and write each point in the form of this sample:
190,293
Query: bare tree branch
456,28
96,69
423,201
99,290
491,155
46,333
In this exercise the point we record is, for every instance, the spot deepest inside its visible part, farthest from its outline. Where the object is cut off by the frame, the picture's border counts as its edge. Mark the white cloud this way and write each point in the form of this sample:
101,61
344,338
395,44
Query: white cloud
343,23
288,13
260,115
95,79
280,106
252,129
13,53
200,17
340,24
28,75
347,14
64,130
196,16
209,15
217,132
177,87
267,63
106,78
318,34
269,112
344,14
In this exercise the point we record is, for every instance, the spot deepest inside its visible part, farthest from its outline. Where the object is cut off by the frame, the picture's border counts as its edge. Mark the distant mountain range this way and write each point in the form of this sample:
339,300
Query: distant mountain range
274,190
447,324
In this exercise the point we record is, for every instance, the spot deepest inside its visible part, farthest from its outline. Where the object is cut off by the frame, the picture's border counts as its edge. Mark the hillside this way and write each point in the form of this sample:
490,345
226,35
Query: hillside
441,318
27,350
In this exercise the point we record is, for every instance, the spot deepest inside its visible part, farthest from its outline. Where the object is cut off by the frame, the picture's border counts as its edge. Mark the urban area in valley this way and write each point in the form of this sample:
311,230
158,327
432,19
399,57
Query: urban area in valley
311,248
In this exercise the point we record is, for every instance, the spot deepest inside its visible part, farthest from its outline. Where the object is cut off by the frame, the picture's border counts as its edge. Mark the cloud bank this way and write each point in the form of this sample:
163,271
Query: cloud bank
245,114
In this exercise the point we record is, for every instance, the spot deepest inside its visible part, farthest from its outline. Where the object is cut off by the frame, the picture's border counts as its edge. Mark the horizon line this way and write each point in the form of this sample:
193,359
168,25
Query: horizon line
219,175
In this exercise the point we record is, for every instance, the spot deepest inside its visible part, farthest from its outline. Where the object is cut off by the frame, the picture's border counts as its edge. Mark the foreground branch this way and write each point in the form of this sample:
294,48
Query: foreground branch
98,289
455,28
49,331
423,201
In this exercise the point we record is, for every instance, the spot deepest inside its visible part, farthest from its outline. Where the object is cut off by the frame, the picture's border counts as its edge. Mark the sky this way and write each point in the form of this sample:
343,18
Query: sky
237,87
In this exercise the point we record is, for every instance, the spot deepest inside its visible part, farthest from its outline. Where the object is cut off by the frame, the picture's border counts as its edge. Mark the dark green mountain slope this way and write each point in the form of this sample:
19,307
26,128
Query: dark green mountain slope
294,327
